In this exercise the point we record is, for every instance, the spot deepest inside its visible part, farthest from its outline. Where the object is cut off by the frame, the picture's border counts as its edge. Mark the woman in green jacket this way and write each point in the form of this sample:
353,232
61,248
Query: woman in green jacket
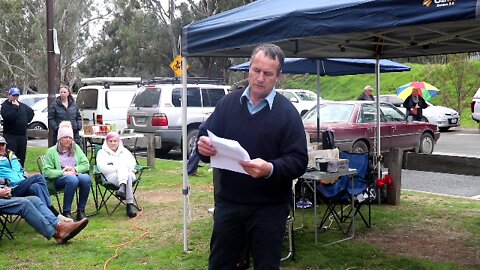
67,163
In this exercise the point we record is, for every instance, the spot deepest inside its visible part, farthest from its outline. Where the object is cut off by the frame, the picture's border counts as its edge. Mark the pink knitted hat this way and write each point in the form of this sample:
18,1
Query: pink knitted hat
112,134
65,130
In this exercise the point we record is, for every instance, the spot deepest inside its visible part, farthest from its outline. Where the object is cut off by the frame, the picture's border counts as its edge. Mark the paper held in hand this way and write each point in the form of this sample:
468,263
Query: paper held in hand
229,154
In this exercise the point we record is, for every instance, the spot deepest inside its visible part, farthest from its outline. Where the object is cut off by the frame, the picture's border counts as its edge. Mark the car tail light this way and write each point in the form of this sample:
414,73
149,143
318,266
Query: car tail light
99,119
129,119
159,119
472,106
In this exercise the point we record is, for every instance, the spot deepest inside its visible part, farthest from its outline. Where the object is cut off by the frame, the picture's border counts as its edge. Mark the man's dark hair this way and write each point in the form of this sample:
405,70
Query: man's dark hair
272,51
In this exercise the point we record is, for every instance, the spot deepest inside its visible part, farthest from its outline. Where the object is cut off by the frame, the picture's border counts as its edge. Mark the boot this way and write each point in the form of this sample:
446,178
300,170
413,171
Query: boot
81,215
67,230
67,214
121,191
131,211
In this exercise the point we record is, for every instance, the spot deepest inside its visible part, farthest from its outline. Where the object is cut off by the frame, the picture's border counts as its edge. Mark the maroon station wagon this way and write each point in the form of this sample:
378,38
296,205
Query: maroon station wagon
354,127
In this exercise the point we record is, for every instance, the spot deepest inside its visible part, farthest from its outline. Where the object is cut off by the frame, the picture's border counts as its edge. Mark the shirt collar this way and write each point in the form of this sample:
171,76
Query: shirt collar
268,99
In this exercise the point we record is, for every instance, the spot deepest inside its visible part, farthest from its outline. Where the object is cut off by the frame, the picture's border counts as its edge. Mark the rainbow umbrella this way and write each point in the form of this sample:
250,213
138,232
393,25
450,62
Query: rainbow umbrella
428,90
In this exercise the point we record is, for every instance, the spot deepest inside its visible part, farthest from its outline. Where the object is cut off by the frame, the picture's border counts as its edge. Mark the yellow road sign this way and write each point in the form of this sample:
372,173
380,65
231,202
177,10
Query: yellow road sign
176,66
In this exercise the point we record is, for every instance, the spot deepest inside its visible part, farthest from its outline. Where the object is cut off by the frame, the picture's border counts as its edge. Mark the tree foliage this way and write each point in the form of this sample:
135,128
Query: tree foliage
23,54
457,81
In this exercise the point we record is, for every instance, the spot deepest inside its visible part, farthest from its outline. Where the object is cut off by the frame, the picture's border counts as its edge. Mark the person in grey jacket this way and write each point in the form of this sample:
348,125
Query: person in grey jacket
64,108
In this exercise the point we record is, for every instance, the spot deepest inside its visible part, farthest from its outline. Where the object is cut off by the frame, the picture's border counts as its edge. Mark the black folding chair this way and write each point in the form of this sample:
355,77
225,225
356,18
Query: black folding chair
5,220
104,190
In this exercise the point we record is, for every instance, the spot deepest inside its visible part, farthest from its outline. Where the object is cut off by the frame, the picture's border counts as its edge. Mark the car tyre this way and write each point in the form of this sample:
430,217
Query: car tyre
191,138
360,147
426,144
36,126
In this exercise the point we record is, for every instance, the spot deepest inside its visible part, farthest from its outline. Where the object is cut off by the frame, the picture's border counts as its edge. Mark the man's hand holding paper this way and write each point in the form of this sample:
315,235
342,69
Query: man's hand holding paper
228,155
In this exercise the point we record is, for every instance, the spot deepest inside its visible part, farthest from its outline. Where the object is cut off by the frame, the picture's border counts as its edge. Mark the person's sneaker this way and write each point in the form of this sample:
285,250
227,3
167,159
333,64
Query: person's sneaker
302,204
64,218
67,230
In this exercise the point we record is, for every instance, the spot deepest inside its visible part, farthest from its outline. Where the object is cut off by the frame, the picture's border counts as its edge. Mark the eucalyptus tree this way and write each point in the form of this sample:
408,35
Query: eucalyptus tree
23,40
131,44
457,80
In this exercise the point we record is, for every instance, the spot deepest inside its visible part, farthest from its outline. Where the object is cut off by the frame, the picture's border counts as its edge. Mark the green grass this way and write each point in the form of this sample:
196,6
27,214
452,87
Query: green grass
160,195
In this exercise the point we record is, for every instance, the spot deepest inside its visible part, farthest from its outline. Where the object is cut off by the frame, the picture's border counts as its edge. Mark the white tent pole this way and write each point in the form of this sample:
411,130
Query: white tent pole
186,187
318,101
377,93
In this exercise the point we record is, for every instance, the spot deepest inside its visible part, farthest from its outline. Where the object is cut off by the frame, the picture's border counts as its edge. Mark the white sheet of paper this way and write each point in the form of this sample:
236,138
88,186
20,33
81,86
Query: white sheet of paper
229,154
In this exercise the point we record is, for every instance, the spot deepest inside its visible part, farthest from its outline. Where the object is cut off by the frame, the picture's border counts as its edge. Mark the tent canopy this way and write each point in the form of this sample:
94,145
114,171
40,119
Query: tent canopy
342,28
332,66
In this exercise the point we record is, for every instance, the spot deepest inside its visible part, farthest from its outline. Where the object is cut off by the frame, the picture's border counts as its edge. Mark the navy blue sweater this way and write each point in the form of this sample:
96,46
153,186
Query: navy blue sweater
276,135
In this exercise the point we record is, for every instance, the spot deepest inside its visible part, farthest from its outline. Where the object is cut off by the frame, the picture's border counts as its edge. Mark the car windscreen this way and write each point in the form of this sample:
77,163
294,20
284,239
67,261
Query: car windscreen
148,97
330,112
87,99
306,95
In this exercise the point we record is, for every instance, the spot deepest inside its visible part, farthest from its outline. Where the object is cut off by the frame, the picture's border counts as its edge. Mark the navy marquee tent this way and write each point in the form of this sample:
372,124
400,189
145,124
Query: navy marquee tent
343,28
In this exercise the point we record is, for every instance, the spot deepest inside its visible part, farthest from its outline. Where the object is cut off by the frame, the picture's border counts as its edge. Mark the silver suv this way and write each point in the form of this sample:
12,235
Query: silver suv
156,109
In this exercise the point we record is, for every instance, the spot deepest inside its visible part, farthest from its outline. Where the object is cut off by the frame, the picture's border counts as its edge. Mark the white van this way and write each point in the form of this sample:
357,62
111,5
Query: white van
105,100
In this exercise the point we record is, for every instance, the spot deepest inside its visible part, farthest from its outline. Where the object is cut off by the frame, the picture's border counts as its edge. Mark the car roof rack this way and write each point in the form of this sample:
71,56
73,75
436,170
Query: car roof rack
108,81
190,80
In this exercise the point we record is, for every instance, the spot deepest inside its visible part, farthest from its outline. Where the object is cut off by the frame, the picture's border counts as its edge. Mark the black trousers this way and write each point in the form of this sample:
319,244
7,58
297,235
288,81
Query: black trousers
17,144
261,227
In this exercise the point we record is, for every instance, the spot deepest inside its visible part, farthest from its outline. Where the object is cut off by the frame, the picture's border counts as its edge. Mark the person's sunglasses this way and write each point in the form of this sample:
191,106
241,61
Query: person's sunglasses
3,144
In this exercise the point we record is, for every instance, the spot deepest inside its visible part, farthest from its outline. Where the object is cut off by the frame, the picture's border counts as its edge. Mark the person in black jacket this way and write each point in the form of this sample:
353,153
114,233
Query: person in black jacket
415,105
16,117
252,199
64,108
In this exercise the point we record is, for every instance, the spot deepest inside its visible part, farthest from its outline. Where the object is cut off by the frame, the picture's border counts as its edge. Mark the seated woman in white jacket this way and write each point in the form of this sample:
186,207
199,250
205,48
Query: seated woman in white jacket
117,164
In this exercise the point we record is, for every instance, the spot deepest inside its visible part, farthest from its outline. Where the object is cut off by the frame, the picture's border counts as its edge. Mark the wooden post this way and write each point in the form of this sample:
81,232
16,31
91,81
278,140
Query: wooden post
150,151
395,172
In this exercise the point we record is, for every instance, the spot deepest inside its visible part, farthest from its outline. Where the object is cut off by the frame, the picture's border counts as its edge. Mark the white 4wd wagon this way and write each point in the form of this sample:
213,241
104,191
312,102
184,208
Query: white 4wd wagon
156,109
475,106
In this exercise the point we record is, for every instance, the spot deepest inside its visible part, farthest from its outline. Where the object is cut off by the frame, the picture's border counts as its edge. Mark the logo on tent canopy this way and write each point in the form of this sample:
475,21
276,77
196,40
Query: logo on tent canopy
439,3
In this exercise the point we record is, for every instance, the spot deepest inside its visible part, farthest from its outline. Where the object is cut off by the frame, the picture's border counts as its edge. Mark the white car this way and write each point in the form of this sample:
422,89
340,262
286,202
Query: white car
475,106
303,100
443,117
40,119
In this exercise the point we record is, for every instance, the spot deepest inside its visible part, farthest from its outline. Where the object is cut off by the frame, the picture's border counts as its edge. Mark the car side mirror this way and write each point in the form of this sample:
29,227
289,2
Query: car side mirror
409,119
294,100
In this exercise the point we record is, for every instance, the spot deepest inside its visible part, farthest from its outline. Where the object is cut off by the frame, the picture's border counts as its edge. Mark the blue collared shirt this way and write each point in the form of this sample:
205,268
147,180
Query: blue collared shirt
254,109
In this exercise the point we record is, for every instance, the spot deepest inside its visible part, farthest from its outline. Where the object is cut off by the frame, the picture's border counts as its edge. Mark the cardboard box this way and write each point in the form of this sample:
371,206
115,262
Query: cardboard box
88,129
337,165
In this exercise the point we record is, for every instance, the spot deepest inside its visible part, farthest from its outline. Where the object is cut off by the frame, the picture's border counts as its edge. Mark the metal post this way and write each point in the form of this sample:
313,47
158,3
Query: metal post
186,186
50,61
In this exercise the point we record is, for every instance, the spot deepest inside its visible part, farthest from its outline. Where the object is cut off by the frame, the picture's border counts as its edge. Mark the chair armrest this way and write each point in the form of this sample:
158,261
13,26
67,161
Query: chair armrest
141,167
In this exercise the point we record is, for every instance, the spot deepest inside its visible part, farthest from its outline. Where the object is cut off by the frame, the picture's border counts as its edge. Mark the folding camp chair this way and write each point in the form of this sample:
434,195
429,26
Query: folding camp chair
51,183
337,196
5,220
105,190
52,189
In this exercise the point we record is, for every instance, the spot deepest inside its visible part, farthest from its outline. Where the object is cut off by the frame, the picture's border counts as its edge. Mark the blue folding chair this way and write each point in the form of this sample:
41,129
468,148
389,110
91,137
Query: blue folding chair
338,196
